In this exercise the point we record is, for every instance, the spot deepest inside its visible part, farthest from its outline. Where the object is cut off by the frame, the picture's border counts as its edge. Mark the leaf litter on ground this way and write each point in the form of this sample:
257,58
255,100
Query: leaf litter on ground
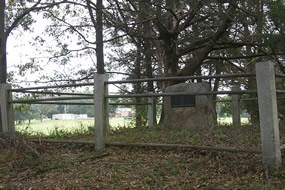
73,166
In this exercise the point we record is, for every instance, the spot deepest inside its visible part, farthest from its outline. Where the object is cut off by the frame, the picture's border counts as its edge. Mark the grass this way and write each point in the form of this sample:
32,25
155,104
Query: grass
28,165
71,166
57,127
220,136
80,167
228,120
53,127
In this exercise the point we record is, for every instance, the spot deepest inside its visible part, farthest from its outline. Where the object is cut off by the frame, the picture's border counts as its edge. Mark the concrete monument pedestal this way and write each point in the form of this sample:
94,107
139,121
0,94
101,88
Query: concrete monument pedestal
189,111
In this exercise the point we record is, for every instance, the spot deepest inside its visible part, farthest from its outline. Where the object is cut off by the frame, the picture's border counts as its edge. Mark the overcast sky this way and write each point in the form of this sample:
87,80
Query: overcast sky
19,51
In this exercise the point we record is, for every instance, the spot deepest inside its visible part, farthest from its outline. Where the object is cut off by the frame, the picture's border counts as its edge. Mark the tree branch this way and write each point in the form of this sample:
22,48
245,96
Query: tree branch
73,28
240,57
200,57
28,11
190,18
91,13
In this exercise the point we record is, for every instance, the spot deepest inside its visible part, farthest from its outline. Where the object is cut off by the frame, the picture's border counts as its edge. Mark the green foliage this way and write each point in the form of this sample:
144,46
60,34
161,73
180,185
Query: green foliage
29,112
163,38
55,129
15,10
59,132
224,108
82,109
277,9
46,110
26,112
26,131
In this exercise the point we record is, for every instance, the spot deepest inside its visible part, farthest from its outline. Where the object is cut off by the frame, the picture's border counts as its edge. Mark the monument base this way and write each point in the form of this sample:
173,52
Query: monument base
189,111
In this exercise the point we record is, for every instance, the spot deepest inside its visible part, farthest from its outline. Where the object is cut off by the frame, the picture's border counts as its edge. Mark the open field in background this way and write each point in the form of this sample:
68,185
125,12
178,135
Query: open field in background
46,127
228,120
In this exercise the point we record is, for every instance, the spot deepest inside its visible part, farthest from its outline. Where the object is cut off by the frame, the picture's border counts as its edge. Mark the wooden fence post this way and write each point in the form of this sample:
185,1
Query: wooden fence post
7,113
100,104
236,106
151,113
268,115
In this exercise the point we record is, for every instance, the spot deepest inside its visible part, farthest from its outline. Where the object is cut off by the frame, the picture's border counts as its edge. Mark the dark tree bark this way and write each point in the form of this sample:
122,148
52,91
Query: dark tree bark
99,38
138,88
252,106
3,38
3,59
204,52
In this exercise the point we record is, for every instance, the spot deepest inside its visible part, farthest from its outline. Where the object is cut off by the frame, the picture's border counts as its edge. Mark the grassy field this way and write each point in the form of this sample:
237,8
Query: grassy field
47,127
228,120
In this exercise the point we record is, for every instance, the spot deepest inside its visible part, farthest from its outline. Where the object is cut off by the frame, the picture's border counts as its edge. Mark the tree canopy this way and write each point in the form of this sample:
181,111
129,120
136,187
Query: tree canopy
173,38
146,38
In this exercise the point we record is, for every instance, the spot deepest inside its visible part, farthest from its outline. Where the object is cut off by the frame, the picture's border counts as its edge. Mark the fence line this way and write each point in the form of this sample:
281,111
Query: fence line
56,103
264,75
184,147
279,75
52,86
50,99
81,103
181,78
156,145
58,93
280,91
174,94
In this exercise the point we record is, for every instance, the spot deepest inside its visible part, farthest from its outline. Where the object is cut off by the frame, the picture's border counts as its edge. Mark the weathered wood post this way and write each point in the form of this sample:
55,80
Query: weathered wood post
268,115
236,106
100,104
6,108
151,113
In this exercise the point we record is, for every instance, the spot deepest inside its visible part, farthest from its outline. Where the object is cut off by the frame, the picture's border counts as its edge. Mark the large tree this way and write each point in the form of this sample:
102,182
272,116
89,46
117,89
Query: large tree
13,15
179,35
170,38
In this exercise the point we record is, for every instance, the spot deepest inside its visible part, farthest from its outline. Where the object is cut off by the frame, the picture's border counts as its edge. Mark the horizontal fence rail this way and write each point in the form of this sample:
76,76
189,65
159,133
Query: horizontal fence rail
184,146
52,86
181,78
57,93
280,75
56,103
81,103
280,91
156,145
49,99
180,93
129,104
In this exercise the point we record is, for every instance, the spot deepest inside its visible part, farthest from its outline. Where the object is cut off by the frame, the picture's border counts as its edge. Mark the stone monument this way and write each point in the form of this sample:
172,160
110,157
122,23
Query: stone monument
189,111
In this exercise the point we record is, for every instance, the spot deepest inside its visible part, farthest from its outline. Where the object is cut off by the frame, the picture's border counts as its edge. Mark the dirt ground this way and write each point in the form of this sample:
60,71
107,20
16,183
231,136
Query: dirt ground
27,165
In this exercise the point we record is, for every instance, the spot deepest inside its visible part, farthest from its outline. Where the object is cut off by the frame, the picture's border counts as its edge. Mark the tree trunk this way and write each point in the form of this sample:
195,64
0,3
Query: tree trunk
137,86
41,117
144,7
3,59
167,46
252,106
148,64
3,41
99,38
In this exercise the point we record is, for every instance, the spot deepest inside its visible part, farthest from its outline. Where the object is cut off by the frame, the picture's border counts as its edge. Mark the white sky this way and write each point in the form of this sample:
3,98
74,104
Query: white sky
19,51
